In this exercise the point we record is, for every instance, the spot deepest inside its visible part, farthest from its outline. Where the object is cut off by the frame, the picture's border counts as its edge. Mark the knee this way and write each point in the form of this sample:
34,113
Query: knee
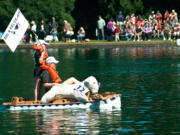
71,78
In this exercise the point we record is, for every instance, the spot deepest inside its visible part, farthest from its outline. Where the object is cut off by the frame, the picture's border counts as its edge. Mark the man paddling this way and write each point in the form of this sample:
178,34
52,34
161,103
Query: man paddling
71,87
40,56
50,77
85,91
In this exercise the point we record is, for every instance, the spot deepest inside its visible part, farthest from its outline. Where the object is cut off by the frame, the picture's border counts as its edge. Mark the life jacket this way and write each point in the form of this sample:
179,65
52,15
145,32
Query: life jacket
40,49
159,26
54,75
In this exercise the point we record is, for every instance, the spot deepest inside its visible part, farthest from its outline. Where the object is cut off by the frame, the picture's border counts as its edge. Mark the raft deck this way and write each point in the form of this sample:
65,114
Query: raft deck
106,101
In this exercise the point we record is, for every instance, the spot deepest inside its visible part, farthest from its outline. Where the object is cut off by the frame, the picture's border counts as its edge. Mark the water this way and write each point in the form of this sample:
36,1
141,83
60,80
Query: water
147,78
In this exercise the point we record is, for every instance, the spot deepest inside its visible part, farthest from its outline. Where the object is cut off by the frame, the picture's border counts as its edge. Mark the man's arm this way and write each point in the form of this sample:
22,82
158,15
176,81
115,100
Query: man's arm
47,80
49,85
42,54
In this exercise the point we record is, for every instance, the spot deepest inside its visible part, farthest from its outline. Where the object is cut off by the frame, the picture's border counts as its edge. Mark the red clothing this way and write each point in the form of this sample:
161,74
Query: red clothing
166,16
159,26
138,22
116,30
40,49
159,17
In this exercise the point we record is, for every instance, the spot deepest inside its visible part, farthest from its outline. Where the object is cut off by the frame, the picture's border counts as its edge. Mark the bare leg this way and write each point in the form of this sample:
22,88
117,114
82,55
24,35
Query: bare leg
71,81
135,36
37,90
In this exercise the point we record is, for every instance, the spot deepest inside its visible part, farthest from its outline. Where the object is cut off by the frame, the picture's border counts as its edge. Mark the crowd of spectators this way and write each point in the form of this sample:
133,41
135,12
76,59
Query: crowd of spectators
49,32
135,28
130,27
45,32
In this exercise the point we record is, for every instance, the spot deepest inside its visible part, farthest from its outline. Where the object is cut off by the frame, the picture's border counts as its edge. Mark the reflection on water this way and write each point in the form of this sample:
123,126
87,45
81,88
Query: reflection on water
62,122
76,121
147,78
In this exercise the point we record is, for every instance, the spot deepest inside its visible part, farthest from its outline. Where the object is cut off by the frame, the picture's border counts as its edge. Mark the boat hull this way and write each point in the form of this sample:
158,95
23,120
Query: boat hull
110,103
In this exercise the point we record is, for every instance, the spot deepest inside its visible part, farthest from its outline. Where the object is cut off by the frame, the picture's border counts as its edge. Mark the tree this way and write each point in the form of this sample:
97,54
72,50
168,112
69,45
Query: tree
86,12
126,6
37,10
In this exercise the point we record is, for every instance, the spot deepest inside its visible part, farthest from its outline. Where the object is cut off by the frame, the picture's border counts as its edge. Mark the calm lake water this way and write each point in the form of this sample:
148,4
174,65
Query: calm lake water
147,78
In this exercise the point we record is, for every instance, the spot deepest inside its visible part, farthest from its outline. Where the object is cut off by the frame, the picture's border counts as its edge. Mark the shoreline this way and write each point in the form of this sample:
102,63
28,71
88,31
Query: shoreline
99,44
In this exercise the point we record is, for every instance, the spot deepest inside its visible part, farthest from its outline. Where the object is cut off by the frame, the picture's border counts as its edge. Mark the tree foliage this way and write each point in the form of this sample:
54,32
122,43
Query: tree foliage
37,10
79,12
126,6
135,6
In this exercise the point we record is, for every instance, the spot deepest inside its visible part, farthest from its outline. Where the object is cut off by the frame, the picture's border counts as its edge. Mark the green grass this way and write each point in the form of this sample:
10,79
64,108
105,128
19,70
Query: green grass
104,41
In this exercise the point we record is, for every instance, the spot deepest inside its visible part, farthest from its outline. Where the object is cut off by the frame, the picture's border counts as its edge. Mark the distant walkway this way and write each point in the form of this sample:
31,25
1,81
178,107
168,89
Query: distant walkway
100,44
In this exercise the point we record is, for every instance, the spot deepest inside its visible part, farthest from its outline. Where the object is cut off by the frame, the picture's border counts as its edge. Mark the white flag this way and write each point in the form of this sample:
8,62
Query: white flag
15,30
178,42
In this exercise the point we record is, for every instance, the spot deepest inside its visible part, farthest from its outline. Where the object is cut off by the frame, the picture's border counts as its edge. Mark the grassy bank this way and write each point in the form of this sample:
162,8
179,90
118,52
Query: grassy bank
101,44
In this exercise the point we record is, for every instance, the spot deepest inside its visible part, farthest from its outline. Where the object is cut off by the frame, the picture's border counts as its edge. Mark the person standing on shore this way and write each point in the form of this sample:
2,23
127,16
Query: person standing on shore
120,19
116,30
33,29
54,24
43,30
28,35
40,56
100,24
173,18
110,26
68,31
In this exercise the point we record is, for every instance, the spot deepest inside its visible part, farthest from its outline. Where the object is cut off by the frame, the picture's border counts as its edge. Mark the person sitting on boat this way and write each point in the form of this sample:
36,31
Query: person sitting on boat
40,56
82,91
49,76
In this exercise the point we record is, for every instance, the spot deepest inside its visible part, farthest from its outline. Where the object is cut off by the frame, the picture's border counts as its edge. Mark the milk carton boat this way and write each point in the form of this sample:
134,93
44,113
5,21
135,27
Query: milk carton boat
107,101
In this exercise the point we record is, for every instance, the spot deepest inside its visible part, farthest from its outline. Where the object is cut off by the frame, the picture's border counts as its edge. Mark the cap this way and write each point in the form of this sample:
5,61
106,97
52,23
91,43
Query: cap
41,42
51,59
